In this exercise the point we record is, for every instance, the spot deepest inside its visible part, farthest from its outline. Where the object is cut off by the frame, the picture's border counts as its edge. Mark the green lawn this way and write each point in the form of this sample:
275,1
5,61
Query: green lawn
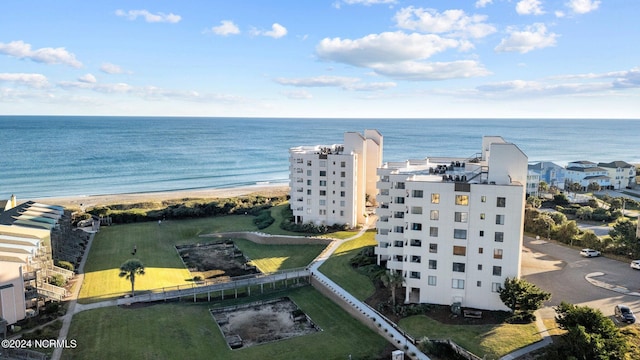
155,248
338,269
492,341
187,331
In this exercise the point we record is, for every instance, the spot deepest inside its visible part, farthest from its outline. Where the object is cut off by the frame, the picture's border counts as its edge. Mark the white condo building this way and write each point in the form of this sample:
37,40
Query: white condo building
329,184
453,226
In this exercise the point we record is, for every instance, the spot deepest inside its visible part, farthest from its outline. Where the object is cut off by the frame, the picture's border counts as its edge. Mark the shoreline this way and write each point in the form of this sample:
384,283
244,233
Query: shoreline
90,201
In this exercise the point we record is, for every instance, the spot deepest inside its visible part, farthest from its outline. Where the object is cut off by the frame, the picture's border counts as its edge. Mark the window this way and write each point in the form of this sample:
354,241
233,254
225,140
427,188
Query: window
309,182
458,267
435,198
434,215
497,270
479,267
501,202
399,229
415,258
481,233
479,283
343,164
431,280
416,193
308,191
416,210
342,193
399,200
400,185
323,173
499,219
462,200
308,162
482,216
323,192
323,202
323,163
457,283
480,250
398,215
433,231
433,264
342,203
342,183
416,242
460,250
398,243
499,237
433,248
416,226
323,212
497,253
460,216
343,174
414,275
308,172
483,198
495,287
459,233
323,182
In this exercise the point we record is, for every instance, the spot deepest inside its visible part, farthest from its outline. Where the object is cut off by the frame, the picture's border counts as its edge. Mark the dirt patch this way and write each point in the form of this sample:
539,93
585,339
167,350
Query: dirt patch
220,260
258,323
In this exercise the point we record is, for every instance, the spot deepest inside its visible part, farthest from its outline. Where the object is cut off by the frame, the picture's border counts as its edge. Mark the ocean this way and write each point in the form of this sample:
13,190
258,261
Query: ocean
57,156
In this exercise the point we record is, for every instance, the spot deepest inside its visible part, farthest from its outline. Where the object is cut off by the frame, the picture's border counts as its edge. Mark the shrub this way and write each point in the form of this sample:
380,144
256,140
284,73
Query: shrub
65,265
521,318
264,219
57,280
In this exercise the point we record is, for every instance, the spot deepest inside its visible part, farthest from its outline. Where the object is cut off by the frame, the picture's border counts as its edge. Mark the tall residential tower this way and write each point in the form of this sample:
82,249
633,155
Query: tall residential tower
330,184
453,227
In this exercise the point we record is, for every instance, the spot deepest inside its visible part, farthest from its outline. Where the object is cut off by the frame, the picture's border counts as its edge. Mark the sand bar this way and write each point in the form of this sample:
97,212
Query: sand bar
98,200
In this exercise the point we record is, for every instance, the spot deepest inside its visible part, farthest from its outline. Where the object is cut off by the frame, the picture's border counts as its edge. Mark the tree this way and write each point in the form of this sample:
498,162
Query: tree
522,296
534,202
584,213
567,232
593,186
130,269
624,236
393,280
590,334
543,187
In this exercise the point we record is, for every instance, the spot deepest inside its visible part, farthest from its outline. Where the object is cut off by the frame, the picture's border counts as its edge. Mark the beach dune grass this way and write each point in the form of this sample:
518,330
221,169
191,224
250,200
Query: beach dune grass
155,245
188,331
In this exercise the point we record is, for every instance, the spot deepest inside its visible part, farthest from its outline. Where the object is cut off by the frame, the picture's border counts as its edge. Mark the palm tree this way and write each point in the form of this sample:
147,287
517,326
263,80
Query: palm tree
129,269
392,279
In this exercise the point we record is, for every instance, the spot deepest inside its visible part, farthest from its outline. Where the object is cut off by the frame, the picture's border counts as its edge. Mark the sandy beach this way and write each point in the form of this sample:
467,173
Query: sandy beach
98,200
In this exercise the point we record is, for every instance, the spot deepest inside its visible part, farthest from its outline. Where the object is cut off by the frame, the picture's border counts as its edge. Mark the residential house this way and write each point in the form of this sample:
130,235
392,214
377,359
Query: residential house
621,174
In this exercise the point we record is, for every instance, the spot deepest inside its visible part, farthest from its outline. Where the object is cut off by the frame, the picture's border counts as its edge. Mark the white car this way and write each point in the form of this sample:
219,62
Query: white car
589,252
635,264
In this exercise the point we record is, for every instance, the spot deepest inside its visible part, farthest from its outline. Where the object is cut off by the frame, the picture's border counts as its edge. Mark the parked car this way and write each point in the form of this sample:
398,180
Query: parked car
624,314
635,264
589,252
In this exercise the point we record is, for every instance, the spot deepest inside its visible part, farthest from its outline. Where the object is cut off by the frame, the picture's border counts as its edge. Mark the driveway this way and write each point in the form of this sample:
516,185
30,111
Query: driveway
561,271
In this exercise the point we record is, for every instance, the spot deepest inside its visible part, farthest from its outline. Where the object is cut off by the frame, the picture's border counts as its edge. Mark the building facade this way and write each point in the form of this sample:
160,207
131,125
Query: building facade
550,173
621,174
26,262
585,173
453,227
330,184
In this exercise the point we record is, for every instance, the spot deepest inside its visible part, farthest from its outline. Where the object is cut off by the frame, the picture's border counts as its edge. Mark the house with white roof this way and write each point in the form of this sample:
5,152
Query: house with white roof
587,172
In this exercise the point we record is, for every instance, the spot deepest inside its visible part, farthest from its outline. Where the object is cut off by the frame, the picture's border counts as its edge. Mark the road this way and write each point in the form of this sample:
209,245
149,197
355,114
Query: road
561,271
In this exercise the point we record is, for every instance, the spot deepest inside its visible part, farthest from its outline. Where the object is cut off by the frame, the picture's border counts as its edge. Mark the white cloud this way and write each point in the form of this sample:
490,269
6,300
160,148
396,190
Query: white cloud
31,80
531,38
529,7
227,27
387,47
454,22
421,71
111,69
149,17
343,82
583,6
483,3
277,31
88,78
297,94
22,50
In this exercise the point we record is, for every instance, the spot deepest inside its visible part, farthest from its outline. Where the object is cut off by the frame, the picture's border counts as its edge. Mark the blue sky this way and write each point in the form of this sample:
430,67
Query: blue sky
336,58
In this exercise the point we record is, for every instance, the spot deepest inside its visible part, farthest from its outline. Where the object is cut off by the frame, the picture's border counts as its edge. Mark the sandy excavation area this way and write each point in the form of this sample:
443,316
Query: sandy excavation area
259,324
